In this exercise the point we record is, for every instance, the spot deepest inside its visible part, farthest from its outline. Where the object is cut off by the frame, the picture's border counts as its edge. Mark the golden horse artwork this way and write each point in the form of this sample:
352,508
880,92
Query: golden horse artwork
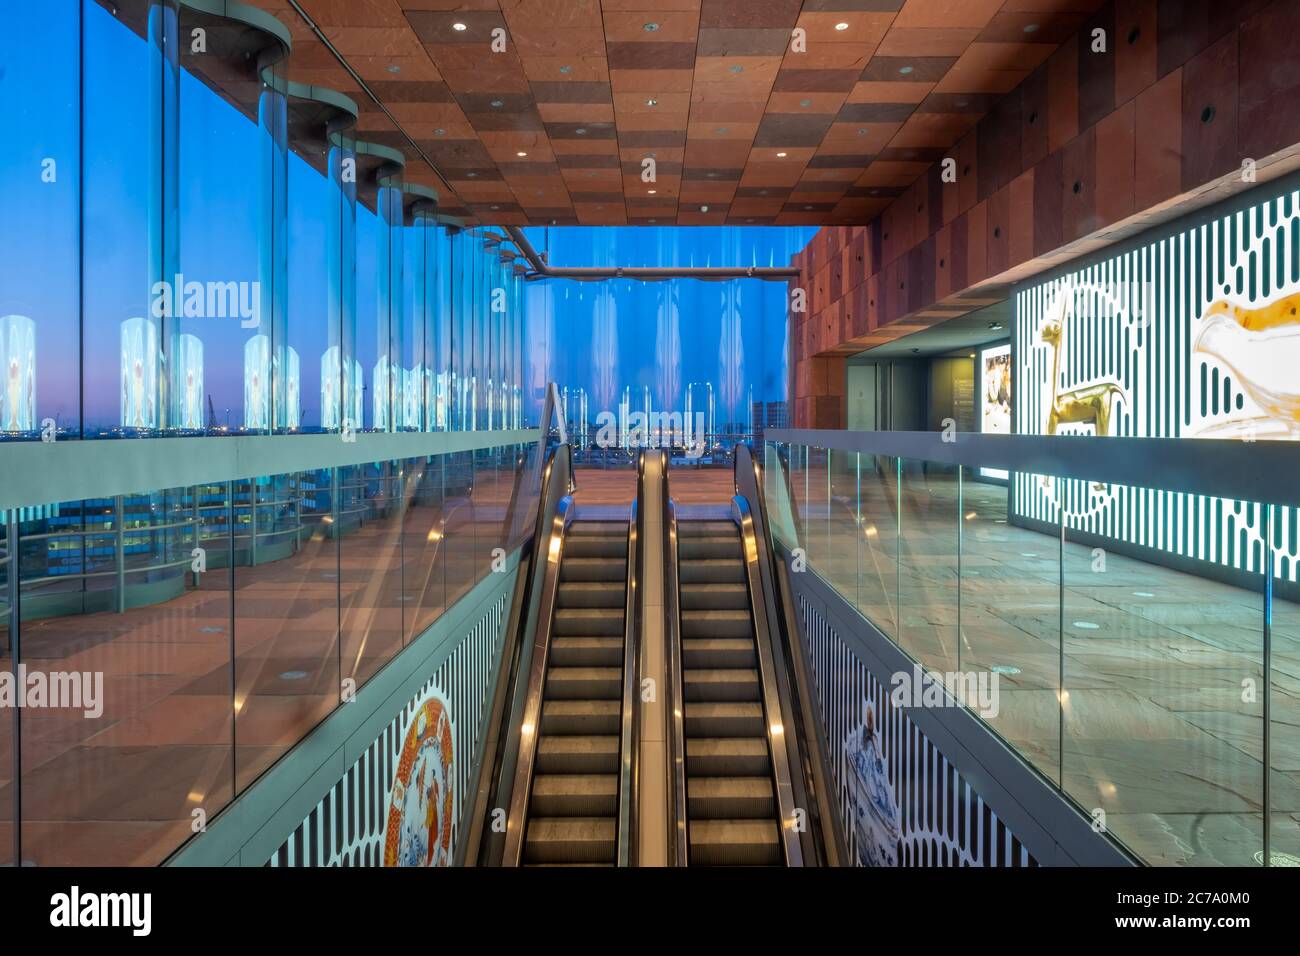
1087,405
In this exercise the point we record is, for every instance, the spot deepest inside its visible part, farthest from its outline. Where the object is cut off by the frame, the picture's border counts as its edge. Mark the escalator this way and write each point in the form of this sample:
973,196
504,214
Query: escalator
648,708
573,807
731,809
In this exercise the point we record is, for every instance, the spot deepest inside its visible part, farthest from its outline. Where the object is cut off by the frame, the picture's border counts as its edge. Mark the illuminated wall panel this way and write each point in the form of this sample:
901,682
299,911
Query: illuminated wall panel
1193,335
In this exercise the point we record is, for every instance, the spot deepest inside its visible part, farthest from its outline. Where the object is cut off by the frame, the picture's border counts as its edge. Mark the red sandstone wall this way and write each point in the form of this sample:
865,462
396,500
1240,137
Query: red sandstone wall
1089,148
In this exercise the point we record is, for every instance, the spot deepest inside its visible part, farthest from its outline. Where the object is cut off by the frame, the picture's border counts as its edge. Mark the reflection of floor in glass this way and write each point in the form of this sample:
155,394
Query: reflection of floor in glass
120,790
1163,698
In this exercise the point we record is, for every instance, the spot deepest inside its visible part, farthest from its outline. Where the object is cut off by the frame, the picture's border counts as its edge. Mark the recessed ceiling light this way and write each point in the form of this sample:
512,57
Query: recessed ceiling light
995,326
496,104
704,209
649,220
805,103
521,153
808,207
652,102
1031,27
737,69
471,175
711,175
496,207
459,27
722,129
841,26
566,69
394,68
440,132
781,155
580,131
762,192
905,70
652,191
650,27
862,132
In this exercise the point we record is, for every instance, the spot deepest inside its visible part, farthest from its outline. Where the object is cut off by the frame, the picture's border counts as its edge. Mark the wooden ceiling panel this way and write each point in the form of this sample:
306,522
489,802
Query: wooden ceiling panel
712,90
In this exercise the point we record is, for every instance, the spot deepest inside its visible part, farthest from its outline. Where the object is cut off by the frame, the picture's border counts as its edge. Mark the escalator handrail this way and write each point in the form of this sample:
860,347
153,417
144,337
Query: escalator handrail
808,740
628,743
677,844
496,774
776,722
551,553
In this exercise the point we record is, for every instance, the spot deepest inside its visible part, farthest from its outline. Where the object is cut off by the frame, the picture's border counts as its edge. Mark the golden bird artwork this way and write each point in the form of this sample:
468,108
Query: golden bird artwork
1261,349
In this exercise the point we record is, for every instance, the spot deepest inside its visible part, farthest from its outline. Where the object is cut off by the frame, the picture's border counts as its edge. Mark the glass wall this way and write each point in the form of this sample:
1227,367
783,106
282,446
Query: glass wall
1159,700
215,266
208,628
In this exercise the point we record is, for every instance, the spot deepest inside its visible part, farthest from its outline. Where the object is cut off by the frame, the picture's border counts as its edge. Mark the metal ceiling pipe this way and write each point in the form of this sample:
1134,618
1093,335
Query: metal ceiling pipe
645,273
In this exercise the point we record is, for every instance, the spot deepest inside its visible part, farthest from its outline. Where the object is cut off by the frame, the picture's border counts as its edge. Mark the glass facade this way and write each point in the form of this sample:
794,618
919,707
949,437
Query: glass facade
181,255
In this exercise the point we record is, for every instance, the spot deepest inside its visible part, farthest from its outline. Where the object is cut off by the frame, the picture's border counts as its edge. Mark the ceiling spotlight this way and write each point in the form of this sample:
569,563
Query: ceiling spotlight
841,26
471,174
781,155
809,208
905,70
995,326
704,209
722,129
439,132
1031,27
394,68
652,102
862,132
580,131
566,69
650,27
521,153
496,104
737,69
805,103
496,207
459,27
652,191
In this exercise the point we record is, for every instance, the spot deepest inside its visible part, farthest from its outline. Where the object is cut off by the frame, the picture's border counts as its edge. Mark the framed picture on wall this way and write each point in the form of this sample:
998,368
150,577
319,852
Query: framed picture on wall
995,397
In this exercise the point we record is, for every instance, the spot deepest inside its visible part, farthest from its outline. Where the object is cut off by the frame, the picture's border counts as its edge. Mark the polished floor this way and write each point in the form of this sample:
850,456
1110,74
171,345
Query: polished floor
1156,724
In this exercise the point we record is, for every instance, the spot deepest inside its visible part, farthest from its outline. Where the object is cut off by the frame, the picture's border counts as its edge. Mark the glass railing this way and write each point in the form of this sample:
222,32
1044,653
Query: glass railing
186,638
1131,607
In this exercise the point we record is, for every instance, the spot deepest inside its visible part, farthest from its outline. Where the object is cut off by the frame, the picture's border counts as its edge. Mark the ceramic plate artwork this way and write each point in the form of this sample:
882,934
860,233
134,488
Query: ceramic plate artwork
420,809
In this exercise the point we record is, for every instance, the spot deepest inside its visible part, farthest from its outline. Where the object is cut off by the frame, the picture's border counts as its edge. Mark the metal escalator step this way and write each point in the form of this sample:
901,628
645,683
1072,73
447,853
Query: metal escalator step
721,622
598,528
588,621
711,546
583,717
723,719
570,840
726,757
718,652
592,569
735,843
724,798
714,597
587,651
707,529
591,594
606,546
577,754
709,571
574,795
722,683
584,683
